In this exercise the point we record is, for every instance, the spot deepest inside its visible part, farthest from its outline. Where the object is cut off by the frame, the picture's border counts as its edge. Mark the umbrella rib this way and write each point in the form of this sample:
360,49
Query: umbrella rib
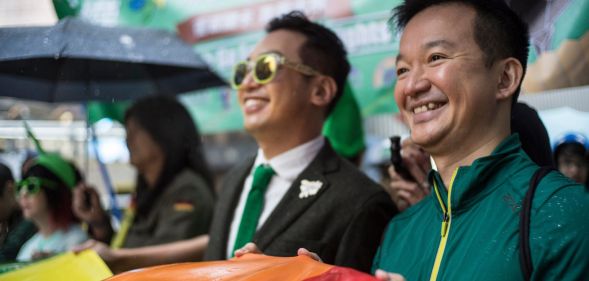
59,60
154,79
57,80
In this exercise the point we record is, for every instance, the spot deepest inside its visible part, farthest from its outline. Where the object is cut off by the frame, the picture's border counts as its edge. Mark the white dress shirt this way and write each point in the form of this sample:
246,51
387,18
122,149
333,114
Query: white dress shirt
287,167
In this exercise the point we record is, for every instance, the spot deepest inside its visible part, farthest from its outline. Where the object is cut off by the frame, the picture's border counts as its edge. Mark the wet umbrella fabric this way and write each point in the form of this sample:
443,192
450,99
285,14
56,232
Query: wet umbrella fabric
77,61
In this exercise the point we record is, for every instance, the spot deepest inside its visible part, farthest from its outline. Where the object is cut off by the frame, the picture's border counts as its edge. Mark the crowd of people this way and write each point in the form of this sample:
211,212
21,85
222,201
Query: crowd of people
472,153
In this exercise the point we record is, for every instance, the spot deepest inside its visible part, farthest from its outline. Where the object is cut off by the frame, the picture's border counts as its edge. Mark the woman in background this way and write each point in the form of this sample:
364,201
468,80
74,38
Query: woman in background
174,197
45,198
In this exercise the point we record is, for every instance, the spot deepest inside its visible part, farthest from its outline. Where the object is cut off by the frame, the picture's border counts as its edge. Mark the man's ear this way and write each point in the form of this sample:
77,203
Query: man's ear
324,91
511,73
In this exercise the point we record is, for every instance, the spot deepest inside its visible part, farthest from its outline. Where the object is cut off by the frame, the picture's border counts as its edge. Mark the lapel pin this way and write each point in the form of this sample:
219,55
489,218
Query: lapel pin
309,188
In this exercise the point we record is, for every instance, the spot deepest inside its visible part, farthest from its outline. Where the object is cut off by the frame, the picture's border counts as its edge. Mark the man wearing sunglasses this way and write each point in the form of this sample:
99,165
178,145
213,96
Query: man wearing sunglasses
296,192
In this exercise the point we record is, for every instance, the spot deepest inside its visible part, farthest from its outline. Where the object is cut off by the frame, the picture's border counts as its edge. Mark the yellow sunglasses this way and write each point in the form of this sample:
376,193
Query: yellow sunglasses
265,68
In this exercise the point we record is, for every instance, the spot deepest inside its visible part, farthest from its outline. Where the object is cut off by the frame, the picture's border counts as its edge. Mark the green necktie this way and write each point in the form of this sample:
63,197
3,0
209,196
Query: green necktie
253,206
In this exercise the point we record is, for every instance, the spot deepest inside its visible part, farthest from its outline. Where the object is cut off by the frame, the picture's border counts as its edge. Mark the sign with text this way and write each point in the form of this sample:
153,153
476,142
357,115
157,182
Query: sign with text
255,17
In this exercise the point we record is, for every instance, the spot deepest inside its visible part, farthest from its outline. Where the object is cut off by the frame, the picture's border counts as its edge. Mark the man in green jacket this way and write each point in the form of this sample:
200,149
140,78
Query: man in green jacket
460,68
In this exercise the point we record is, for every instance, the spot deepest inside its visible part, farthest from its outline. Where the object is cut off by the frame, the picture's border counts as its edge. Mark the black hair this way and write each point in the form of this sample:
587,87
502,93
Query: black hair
570,149
532,133
59,198
322,50
5,177
170,125
498,31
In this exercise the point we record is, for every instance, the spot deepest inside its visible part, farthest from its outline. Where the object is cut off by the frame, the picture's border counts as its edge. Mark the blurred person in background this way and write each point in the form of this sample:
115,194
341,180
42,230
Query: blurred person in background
571,154
174,197
45,197
14,230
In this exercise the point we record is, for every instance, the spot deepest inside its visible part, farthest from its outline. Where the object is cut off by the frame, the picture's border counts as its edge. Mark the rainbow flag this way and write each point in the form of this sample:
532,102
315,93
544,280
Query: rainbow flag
248,267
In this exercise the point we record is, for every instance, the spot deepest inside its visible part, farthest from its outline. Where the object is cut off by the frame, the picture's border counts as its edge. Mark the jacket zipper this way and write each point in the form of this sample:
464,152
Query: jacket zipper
446,223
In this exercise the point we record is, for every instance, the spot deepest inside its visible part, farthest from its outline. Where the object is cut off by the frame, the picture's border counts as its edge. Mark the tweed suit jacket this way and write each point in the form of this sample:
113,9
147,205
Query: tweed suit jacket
343,222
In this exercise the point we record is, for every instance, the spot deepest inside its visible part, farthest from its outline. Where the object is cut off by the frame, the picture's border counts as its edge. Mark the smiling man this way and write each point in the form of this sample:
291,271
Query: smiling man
460,68
296,192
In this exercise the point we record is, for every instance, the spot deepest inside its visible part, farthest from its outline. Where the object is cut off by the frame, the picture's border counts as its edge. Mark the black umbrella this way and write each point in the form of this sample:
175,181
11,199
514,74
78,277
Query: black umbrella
77,61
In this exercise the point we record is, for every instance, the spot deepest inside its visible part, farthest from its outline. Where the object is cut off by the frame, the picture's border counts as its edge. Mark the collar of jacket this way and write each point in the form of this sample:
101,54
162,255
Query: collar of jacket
479,179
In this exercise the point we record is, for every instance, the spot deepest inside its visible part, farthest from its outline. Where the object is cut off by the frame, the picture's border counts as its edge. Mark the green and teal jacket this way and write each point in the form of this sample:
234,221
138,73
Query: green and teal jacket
469,230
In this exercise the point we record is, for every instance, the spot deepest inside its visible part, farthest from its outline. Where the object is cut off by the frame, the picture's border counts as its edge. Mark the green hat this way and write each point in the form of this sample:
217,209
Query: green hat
343,127
59,167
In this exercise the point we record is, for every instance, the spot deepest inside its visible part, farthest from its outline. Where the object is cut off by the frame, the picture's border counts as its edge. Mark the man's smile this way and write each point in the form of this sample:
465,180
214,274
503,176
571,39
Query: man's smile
426,107
254,104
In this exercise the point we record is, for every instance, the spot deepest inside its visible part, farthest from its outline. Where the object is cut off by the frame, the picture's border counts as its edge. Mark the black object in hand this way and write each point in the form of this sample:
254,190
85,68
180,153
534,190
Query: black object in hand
397,160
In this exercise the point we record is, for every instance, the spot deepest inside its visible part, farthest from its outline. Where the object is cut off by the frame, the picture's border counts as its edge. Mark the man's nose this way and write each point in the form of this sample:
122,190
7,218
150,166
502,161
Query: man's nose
417,82
249,83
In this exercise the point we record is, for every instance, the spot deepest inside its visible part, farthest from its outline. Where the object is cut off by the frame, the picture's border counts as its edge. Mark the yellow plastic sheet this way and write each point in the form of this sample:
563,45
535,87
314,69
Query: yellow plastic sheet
86,266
